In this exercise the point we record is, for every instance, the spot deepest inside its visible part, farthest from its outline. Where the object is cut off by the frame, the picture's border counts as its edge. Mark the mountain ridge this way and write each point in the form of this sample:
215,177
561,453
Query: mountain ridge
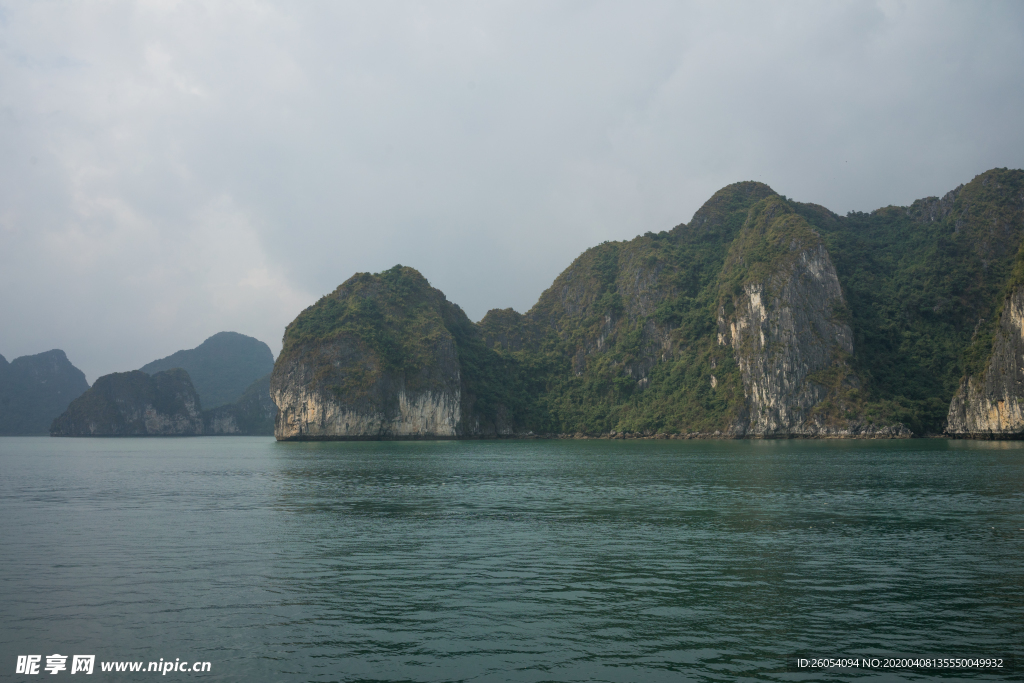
761,317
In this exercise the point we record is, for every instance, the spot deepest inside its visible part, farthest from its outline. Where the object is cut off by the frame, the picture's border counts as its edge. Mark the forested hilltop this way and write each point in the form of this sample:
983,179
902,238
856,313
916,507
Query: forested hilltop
762,316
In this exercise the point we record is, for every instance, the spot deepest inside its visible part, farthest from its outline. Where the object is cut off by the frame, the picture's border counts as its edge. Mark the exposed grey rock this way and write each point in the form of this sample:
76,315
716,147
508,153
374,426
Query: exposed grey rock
384,364
792,346
387,408
992,406
783,332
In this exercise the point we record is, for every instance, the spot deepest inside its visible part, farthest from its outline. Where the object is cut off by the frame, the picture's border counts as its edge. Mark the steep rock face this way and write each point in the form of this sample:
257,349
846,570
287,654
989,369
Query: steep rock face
992,406
632,326
762,317
251,415
307,389
782,314
924,285
36,389
134,404
377,358
933,209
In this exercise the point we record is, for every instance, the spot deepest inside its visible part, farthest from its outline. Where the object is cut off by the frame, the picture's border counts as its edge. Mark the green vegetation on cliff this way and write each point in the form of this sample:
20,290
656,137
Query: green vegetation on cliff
395,316
647,335
635,322
392,331
924,287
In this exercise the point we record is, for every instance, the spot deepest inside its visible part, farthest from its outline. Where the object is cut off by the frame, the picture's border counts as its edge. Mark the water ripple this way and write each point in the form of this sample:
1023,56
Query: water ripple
510,561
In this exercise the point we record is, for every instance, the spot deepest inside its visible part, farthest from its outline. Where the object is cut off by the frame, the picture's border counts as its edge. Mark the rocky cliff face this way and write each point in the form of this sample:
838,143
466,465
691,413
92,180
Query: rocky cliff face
782,333
36,389
786,329
134,404
380,357
307,391
992,405
762,317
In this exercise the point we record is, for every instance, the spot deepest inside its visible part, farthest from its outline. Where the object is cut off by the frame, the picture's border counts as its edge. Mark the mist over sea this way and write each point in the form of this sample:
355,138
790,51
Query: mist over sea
510,560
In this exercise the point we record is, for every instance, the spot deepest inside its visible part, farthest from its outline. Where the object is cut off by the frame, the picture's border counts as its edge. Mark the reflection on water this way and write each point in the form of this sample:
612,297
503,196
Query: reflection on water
503,560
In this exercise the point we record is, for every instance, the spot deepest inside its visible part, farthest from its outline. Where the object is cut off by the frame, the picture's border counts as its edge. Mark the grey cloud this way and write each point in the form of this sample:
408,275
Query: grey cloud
170,170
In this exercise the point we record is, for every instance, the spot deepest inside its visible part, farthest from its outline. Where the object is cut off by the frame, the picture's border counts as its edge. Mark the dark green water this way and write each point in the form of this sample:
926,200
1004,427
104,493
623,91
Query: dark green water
509,561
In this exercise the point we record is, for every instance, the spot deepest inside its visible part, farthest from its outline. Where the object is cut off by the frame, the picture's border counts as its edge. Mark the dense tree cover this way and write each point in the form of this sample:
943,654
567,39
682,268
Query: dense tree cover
639,320
925,287
626,338
394,324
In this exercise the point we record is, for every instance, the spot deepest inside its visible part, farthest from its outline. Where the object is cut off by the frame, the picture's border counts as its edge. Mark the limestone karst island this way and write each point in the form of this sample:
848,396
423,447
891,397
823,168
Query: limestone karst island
761,317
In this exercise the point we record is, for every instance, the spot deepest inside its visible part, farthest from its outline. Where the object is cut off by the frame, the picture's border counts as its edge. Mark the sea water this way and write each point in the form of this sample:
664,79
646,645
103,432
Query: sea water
510,560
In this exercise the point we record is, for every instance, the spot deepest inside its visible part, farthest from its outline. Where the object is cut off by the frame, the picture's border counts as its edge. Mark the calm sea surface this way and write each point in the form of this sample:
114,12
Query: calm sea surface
509,560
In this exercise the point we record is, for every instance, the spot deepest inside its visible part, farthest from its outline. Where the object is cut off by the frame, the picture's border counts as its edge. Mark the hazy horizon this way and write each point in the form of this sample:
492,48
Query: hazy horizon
171,171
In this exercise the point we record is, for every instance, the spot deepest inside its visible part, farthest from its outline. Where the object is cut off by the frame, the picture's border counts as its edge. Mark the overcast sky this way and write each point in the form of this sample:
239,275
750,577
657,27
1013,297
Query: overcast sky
169,170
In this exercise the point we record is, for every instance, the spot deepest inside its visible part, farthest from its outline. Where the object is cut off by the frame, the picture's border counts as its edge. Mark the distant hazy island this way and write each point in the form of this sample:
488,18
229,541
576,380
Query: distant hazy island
228,374
762,317
35,389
